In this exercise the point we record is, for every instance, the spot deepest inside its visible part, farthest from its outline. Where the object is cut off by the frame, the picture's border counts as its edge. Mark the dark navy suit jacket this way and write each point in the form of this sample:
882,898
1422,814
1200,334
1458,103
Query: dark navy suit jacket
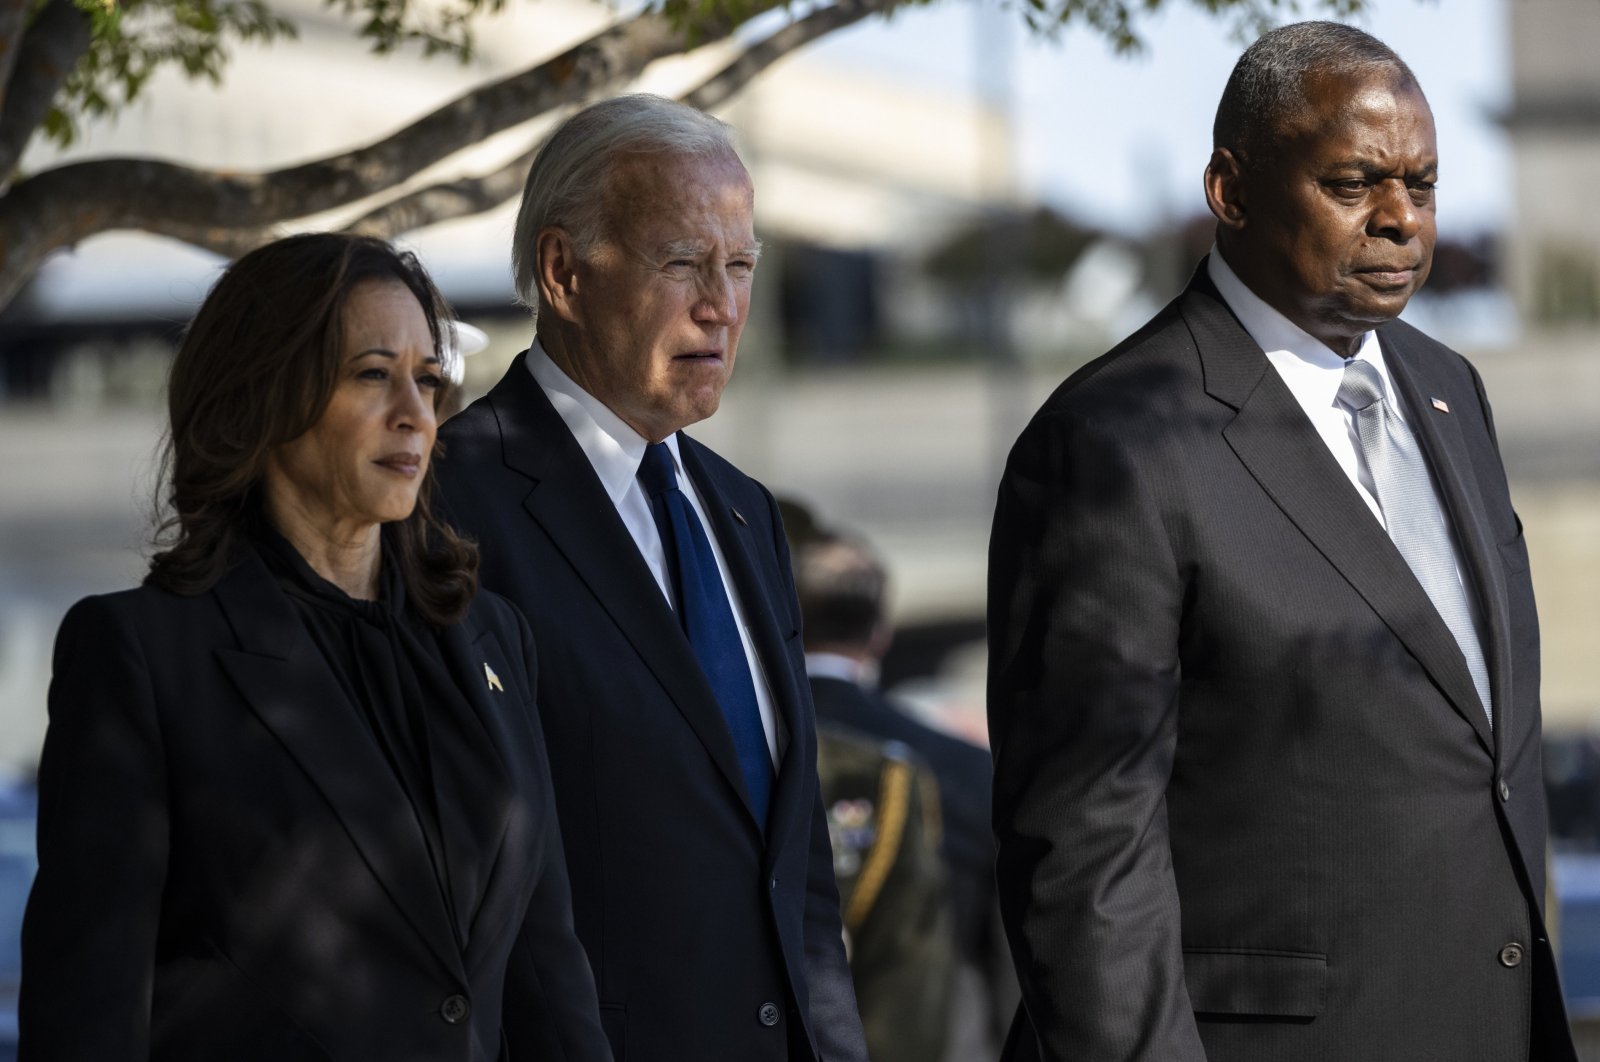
710,938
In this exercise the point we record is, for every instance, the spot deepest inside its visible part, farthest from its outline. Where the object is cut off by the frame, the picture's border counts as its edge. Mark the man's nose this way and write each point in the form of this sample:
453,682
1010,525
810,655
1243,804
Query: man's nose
1395,216
718,300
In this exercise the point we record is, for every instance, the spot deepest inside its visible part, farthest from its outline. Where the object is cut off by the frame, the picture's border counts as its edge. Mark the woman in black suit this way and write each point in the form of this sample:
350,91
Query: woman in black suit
294,797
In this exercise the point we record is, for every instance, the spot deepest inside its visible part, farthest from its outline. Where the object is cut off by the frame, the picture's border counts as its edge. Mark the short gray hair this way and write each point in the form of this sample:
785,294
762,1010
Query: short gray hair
570,178
1267,86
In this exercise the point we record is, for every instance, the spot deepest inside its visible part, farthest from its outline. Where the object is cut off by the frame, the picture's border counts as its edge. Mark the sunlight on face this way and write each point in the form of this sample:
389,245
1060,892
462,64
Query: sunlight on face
363,462
1340,232
660,304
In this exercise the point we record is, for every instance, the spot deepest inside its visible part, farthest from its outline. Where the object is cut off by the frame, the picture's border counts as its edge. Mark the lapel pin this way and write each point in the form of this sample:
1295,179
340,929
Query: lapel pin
1441,405
492,678
737,515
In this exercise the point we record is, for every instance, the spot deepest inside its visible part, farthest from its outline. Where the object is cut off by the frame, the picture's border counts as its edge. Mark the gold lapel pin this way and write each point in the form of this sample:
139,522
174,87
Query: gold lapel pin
492,678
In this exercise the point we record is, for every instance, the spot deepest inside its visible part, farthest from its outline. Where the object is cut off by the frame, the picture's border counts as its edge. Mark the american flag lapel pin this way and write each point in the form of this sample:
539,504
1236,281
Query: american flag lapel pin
491,678
1441,405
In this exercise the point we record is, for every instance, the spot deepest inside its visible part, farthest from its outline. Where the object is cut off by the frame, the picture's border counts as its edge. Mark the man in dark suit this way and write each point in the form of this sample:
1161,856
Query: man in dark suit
657,583
843,597
1265,677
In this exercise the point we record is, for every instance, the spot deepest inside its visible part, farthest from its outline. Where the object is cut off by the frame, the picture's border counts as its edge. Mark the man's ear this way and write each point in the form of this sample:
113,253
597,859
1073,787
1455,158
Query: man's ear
556,271
1225,189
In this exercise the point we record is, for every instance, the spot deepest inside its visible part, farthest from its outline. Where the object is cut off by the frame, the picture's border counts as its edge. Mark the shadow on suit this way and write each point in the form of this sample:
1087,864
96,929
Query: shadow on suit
1248,803
229,869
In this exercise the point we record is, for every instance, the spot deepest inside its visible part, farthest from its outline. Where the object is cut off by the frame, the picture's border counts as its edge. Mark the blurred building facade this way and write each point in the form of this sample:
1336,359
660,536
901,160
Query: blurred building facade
1554,124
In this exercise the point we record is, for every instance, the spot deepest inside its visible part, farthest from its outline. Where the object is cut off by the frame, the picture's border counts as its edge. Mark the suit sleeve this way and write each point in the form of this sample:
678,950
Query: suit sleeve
89,934
835,1021
551,1010
1085,615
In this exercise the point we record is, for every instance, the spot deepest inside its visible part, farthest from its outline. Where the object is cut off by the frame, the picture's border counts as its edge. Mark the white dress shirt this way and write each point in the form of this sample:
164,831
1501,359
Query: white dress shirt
615,450
1313,373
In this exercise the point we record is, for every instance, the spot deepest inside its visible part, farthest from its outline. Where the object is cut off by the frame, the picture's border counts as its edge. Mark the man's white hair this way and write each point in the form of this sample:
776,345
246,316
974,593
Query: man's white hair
570,179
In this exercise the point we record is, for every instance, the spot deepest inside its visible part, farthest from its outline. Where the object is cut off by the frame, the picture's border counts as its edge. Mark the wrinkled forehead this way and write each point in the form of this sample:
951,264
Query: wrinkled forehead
665,189
643,180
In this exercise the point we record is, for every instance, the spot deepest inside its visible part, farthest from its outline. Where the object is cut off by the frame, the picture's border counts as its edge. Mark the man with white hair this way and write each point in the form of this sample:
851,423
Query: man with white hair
656,580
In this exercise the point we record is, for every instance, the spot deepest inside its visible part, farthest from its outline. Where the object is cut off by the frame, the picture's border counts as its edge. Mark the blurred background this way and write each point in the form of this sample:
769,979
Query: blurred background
956,212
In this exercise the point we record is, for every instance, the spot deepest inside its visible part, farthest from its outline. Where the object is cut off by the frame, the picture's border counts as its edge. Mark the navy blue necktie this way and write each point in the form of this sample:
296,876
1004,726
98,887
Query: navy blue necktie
707,618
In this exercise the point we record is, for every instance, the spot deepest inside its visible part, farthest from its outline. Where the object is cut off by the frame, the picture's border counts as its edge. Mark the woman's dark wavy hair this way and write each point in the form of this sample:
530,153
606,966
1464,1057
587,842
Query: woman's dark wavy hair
257,368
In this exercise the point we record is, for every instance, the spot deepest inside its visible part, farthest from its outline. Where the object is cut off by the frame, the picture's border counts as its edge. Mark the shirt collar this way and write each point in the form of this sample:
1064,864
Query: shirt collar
613,448
839,666
1308,365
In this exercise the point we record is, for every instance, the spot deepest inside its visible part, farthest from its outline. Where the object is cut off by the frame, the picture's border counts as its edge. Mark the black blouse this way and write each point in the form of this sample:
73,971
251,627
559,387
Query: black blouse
389,664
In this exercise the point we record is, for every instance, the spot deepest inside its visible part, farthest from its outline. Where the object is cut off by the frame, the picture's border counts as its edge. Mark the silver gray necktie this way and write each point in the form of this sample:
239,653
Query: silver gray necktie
1416,526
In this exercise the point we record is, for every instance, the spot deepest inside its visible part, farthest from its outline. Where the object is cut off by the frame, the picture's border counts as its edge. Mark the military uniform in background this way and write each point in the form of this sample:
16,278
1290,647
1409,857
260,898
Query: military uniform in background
883,819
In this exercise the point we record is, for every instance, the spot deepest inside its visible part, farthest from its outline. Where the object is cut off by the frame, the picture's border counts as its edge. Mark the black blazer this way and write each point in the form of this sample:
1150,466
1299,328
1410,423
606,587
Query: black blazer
1248,805
708,941
228,868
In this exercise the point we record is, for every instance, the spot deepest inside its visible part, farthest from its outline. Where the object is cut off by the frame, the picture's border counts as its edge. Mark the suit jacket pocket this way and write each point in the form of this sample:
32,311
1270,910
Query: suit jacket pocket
1514,551
1255,983
205,1007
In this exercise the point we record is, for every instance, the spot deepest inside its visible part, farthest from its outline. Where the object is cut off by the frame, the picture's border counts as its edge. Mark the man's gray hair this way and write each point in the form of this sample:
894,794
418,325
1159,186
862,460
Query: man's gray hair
1267,87
570,178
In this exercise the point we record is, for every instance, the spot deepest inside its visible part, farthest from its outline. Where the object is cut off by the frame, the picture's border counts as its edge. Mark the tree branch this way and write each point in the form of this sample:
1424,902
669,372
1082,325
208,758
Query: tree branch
228,241
469,196
460,198
68,203
720,86
13,21
47,52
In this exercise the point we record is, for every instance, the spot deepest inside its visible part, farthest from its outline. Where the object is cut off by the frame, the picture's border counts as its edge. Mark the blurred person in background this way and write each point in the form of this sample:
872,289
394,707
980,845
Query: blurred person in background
294,800
843,589
681,730
883,821
1264,676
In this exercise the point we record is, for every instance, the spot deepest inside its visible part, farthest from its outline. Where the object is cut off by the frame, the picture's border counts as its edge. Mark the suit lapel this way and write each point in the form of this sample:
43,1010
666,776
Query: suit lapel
769,633
1278,446
284,680
570,505
1439,434
474,805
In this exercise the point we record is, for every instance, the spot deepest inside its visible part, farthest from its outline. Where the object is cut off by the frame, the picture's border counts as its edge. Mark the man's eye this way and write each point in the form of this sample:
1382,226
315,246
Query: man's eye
1352,186
741,265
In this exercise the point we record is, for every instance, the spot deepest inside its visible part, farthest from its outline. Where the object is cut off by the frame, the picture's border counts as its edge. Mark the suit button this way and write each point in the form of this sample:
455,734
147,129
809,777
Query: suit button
769,1014
774,884
1505,791
455,1009
1511,955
